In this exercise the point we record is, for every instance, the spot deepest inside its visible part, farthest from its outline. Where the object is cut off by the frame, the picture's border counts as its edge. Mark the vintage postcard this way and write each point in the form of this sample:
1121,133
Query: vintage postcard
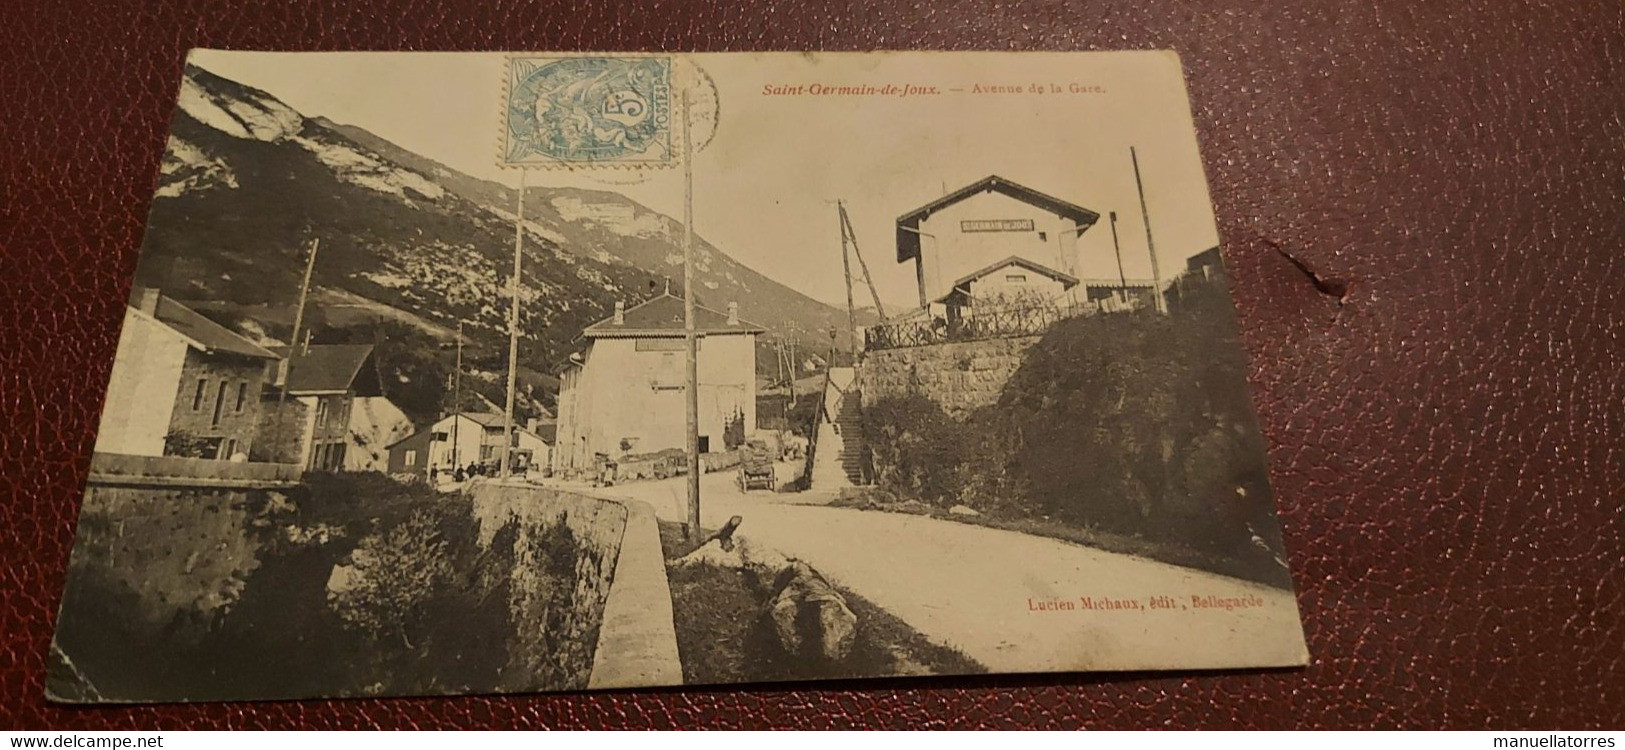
449,373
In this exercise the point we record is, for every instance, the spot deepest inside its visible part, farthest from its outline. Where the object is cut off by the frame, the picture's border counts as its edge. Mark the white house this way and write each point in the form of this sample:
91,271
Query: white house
456,440
624,393
975,235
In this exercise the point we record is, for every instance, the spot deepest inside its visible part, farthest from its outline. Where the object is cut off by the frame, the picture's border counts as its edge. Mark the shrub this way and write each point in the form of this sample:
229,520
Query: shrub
1135,423
915,448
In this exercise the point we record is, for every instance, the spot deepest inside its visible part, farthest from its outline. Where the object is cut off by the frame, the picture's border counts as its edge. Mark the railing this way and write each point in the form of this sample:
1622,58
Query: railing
975,324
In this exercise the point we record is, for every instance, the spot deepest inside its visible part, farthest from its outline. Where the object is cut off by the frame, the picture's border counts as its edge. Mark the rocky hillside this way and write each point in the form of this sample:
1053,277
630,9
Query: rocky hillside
247,182
609,227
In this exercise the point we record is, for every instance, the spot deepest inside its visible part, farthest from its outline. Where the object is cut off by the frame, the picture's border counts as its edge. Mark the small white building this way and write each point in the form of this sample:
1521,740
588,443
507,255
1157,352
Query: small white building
457,440
624,393
984,226
531,449
1012,282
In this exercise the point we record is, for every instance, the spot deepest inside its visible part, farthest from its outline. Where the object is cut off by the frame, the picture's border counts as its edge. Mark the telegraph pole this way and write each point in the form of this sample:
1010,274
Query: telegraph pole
1122,278
690,336
513,328
1150,246
788,363
874,294
299,316
456,399
846,268
794,373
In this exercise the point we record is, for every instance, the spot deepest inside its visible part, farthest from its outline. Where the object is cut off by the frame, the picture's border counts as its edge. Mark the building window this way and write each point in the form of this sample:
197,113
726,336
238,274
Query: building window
242,395
1043,236
1015,278
321,412
327,457
197,395
670,374
439,437
411,458
219,404
228,449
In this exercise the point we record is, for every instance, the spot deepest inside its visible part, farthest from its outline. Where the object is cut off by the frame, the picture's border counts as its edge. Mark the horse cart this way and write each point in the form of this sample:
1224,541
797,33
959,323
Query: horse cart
756,470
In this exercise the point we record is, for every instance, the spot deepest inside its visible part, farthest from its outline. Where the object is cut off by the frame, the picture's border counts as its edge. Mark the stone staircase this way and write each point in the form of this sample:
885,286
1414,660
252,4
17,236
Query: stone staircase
837,462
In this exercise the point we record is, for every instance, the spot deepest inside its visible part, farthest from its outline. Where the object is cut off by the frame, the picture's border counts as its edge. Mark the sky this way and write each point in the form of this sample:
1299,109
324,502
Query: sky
765,185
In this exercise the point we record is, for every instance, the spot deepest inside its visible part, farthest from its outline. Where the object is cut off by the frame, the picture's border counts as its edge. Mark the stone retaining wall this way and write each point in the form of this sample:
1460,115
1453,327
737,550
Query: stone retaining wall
544,639
163,568
961,377
626,626
185,553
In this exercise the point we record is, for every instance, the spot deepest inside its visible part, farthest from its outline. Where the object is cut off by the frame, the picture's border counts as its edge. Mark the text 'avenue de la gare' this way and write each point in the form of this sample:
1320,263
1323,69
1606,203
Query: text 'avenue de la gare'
1113,604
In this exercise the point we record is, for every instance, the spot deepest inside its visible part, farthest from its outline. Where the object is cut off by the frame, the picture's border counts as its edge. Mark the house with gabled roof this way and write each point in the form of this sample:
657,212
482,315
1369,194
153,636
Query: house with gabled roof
182,385
309,408
464,440
975,233
1011,281
623,393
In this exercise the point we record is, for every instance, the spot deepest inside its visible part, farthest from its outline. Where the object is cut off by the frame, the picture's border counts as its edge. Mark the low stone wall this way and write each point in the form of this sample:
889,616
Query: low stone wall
960,377
637,643
120,470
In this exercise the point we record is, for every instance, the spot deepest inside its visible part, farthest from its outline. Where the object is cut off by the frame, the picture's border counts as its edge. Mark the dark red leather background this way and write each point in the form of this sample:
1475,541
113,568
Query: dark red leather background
1446,441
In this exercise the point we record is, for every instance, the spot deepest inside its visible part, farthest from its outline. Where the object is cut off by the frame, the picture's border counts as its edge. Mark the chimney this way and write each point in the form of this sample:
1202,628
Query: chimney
146,300
620,313
733,313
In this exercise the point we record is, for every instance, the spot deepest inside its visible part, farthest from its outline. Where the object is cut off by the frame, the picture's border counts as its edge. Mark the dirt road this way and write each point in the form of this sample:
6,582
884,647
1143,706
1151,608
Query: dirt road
1012,601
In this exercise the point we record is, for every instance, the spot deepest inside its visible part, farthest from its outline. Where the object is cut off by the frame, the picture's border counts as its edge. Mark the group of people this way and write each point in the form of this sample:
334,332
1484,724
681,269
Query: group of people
463,473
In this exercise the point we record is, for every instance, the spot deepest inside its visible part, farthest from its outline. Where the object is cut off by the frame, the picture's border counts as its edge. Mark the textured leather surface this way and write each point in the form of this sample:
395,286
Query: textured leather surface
1446,441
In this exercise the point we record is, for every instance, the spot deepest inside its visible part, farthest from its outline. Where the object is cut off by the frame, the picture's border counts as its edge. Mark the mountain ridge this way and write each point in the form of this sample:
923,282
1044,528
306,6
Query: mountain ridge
247,182
555,209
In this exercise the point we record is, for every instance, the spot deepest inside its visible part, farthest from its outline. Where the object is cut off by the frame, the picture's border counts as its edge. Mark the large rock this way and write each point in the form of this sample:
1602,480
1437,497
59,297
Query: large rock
810,618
